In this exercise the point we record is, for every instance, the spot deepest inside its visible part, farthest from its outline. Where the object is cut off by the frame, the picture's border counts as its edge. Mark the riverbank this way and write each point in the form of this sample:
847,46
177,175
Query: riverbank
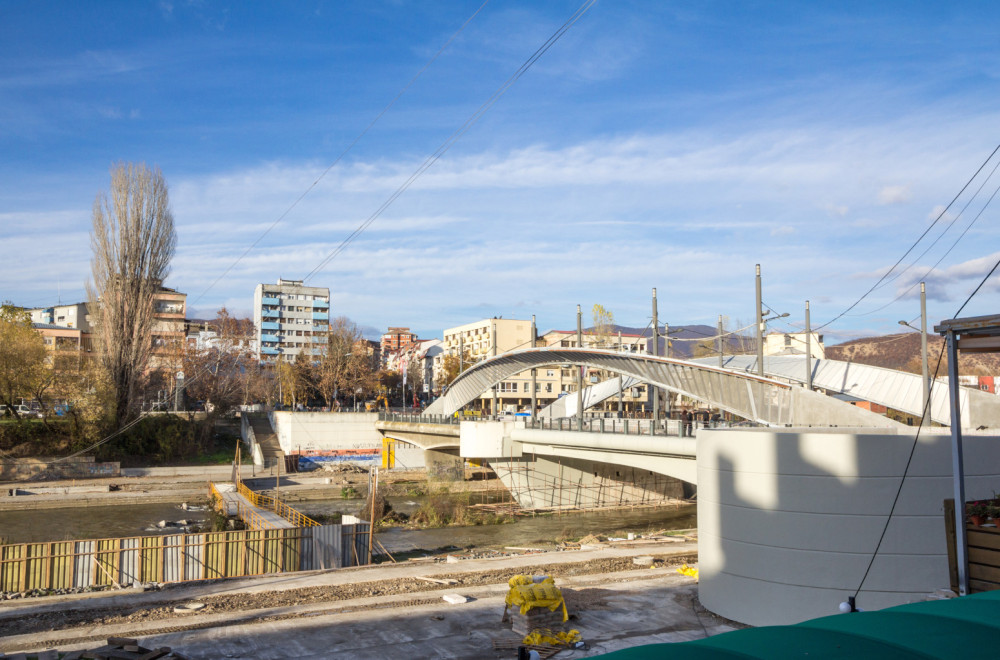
382,611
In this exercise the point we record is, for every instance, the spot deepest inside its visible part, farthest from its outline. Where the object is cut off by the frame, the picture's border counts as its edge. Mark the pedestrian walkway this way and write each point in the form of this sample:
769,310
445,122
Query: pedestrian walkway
234,503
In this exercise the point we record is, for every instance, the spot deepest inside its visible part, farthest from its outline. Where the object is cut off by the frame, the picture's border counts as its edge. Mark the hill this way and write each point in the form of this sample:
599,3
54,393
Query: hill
902,352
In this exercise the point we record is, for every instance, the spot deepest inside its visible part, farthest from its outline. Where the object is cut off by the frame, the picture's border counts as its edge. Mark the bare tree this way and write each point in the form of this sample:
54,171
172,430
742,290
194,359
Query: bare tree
221,371
133,241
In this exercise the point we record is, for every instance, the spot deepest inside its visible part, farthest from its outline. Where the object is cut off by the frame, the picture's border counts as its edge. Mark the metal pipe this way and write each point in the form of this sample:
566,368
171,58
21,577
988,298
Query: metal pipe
809,371
654,393
957,466
534,373
923,349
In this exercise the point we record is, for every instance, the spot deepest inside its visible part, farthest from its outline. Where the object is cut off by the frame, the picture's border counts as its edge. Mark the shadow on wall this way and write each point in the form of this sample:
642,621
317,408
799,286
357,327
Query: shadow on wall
788,521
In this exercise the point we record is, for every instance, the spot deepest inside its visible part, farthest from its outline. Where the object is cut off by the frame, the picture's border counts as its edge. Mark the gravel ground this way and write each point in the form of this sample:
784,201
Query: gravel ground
85,614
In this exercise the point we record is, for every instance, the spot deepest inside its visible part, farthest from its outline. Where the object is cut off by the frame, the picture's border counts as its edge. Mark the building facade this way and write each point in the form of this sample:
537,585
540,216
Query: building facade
290,319
794,343
396,340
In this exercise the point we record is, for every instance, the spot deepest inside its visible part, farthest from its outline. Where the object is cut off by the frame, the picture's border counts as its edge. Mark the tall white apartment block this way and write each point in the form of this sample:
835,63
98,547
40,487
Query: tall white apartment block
291,319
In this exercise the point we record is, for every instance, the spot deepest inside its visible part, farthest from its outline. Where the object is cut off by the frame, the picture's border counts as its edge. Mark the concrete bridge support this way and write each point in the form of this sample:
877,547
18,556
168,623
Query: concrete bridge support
545,469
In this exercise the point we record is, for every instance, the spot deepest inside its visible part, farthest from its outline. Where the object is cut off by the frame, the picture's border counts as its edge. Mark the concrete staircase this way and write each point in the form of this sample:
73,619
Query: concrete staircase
267,440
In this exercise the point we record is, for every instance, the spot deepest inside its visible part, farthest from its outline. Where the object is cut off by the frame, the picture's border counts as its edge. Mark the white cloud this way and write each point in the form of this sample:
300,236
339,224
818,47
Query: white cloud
894,195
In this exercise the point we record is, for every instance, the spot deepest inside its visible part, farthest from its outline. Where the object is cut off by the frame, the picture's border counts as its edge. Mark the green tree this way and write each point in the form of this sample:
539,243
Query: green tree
23,371
604,326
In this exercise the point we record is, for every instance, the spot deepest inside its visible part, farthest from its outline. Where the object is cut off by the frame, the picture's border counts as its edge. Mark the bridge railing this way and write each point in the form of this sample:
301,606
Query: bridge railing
274,504
418,418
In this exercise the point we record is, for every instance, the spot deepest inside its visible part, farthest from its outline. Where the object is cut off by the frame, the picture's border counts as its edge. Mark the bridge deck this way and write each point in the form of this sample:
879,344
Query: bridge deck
255,517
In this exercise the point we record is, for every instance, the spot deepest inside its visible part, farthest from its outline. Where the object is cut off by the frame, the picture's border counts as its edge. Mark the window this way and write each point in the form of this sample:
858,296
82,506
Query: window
788,340
548,387
550,373
526,387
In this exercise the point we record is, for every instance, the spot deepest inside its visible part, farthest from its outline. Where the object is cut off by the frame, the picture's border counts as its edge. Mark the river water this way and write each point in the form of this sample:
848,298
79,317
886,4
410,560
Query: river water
142,519
95,522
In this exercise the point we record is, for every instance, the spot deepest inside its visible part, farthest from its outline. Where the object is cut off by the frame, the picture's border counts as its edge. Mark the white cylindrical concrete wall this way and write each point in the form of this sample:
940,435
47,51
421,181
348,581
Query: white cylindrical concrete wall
789,520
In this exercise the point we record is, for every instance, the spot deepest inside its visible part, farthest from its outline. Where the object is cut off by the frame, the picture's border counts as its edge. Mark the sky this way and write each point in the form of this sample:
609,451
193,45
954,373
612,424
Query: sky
668,145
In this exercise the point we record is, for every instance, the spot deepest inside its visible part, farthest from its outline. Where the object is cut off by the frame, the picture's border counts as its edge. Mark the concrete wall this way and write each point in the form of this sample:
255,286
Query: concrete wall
329,436
789,520
83,467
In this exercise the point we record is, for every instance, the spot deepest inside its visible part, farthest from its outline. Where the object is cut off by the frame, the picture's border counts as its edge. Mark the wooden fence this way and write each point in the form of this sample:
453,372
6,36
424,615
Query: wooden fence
983,544
181,557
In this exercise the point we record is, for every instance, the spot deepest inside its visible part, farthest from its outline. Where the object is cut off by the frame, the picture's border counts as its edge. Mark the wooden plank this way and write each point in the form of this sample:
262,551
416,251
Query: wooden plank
987,573
951,542
977,586
984,557
981,538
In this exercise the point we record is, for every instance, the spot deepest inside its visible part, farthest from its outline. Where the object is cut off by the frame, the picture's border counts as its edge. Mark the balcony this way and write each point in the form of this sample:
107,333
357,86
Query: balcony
270,313
321,304
270,350
270,325
321,316
274,338
321,328
270,301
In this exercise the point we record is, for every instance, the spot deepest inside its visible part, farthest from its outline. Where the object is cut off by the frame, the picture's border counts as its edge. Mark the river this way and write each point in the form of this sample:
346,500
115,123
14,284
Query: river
141,519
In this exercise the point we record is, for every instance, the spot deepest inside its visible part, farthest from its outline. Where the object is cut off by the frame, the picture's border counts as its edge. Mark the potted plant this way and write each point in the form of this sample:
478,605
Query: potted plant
993,511
976,512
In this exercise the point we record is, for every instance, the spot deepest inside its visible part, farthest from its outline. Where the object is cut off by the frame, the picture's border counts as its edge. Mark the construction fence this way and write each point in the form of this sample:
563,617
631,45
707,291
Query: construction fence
122,562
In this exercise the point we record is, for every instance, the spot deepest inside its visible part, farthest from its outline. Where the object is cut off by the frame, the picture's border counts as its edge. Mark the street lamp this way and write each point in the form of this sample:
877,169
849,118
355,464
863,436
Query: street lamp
924,366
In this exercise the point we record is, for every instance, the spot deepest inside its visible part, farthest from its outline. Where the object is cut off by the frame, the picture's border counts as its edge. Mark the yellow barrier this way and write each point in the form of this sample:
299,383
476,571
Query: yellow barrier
272,504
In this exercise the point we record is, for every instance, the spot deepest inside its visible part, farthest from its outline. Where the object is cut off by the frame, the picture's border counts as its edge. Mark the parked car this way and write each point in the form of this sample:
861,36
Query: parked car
25,410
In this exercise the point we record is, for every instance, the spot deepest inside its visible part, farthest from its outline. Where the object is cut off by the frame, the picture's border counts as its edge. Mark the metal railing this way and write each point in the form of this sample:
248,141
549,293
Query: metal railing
417,418
261,501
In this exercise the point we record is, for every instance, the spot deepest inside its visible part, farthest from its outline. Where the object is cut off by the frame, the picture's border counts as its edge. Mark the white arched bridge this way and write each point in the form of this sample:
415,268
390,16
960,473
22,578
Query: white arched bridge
763,400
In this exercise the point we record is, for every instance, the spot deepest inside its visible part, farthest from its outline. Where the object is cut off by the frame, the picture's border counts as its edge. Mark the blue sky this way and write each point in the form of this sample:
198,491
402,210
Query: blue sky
669,145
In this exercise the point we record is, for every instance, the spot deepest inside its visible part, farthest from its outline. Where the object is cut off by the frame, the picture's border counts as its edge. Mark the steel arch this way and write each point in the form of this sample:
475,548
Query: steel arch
762,400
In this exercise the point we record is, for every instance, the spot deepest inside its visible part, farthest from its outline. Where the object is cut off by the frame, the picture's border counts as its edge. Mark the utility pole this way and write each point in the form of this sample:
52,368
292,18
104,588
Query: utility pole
923,346
760,328
621,398
579,370
718,341
493,341
809,369
534,373
656,352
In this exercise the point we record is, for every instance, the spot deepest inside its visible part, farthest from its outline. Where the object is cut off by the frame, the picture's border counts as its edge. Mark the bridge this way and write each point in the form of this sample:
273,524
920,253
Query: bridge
763,400
898,390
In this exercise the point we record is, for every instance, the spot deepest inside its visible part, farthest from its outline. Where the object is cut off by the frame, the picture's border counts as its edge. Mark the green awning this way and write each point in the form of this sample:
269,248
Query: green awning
964,628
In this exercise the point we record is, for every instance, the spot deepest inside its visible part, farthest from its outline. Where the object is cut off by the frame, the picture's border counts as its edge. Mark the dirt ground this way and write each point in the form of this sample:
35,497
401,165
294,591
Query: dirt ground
87,615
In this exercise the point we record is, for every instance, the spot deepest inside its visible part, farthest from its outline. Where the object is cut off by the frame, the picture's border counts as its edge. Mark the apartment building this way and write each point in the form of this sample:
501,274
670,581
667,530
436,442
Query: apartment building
396,340
169,310
290,319
73,315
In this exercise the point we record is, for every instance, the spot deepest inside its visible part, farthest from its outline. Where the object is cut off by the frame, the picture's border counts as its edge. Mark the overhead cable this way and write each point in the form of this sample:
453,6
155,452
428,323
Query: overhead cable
343,153
454,137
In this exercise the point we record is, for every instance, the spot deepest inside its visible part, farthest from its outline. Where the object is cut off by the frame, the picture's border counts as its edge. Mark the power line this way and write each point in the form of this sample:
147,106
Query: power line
915,243
454,137
943,256
344,152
